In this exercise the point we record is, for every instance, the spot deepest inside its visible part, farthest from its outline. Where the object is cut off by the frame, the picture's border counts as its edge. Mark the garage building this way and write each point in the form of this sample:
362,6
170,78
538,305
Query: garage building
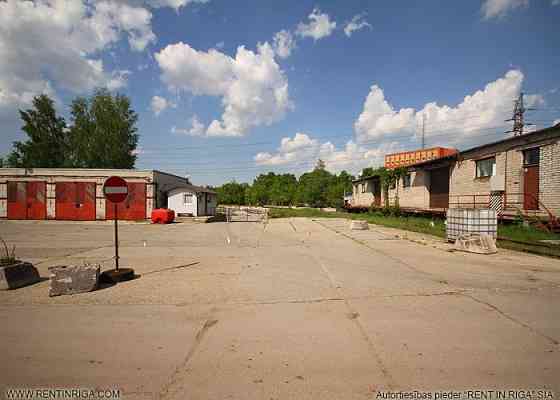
77,194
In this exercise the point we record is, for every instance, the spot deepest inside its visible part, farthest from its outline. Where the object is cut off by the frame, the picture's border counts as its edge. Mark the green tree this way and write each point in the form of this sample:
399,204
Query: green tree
48,142
1,162
338,186
369,171
103,133
232,193
313,186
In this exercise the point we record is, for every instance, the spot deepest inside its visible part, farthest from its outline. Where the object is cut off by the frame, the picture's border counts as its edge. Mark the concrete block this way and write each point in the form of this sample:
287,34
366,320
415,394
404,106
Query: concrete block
359,225
73,279
17,275
476,243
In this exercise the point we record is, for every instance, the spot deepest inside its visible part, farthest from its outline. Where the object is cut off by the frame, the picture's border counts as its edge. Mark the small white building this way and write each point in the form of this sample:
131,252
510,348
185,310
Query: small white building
190,200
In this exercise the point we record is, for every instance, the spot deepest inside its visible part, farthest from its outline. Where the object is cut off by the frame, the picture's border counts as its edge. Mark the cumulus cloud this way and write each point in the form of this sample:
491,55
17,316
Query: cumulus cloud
484,109
51,44
176,4
196,128
319,26
302,152
159,104
283,43
356,23
252,87
500,8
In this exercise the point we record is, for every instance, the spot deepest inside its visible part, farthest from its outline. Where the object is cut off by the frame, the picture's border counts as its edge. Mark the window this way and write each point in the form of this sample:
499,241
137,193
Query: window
187,198
486,167
531,156
364,187
407,180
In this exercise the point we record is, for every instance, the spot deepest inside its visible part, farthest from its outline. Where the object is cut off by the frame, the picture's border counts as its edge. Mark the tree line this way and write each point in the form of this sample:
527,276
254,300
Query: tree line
318,188
101,134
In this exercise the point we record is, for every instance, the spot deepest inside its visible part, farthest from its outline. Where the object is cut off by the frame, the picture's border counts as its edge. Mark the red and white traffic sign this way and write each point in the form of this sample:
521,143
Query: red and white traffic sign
115,189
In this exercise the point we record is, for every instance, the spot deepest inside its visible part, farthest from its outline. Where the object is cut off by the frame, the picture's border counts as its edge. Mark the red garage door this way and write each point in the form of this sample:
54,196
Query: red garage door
27,200
75,201
133,208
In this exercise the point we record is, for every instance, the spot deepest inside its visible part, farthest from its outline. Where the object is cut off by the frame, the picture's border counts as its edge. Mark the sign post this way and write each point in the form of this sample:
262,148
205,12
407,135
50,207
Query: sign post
115,190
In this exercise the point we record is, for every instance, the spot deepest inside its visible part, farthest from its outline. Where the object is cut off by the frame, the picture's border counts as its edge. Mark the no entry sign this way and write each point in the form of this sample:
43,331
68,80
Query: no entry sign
115,189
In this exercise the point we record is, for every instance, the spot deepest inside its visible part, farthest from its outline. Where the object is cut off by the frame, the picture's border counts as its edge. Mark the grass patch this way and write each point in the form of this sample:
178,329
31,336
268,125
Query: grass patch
428,226
514,233
524,234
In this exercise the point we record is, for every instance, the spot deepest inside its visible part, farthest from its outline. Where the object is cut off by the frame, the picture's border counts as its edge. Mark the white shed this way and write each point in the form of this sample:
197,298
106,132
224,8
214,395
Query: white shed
192,200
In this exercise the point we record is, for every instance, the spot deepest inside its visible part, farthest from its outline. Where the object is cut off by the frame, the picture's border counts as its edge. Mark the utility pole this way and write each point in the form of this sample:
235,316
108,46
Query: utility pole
518,116
423,130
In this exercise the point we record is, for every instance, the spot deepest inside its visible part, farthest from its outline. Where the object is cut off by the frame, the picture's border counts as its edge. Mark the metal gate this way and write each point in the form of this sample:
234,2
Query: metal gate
133,208
243,214
27,200
75,201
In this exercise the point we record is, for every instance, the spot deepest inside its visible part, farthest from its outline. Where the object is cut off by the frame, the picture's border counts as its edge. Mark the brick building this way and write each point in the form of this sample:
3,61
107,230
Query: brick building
517,174
521,173
76,194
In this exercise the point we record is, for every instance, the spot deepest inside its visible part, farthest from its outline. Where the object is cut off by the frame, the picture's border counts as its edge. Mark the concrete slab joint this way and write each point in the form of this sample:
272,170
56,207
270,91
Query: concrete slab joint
73,279
19,274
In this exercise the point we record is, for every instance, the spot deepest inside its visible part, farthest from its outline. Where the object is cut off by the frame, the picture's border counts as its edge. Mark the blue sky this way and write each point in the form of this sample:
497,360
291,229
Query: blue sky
221,97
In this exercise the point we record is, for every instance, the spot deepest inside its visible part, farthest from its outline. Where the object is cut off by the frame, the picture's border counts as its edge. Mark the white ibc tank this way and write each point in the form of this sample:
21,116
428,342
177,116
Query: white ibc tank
462,221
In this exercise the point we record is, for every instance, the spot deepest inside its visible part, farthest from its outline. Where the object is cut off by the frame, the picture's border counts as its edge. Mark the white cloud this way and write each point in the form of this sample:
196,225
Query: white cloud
485,109
302,152
196,128
319,25
556,122
111,18
50,44
531,100
159,104
253,88
356,24
283,43
500,8
555,2
176,4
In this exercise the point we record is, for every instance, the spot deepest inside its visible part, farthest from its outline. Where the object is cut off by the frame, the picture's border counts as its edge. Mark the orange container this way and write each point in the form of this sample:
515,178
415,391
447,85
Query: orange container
163,216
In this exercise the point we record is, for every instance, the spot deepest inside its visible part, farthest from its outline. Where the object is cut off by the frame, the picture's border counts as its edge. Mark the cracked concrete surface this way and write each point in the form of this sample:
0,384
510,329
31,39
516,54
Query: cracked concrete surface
295,309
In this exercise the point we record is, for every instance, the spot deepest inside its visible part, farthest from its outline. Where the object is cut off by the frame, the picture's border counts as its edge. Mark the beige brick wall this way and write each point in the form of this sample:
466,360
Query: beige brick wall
514,178
510,165
415,196
360,199
549,177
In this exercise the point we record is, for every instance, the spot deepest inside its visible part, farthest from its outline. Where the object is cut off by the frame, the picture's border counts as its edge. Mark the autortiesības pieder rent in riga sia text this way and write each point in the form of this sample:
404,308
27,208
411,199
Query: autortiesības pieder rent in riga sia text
529,394
62,393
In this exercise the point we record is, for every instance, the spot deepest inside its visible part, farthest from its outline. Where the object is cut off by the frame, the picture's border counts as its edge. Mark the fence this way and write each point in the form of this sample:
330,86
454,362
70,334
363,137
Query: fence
243,214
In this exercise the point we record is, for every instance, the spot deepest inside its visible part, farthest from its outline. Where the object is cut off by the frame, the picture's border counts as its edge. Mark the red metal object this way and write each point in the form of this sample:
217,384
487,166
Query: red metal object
115,189
17,200
406,158
133,208
36,200
163,216
27,200
75,201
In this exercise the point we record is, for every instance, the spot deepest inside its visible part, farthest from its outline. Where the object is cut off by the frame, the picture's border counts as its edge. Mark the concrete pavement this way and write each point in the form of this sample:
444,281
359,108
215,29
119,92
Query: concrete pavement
295,309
